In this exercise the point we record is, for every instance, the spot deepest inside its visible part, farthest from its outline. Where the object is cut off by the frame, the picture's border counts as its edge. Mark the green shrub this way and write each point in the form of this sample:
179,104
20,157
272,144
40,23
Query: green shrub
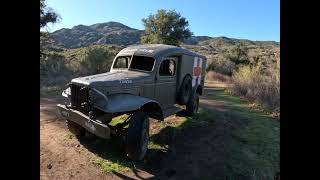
237,54
97,60
229,60
221,65
52,63
53,69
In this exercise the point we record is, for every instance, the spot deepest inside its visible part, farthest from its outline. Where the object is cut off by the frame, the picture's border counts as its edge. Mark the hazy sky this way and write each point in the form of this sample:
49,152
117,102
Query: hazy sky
248,19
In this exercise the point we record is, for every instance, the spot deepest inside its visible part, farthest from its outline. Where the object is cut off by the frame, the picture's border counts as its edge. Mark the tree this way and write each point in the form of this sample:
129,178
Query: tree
47,15
165,27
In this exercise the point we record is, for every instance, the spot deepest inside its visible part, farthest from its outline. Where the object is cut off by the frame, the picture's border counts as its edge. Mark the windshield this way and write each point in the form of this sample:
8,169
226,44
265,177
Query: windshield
142,63
122,62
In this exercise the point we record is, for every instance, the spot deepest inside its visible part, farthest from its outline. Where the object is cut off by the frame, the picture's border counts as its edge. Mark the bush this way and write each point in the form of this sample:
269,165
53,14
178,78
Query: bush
221,65
260,83
229,60
53,70
97,60
59,67
52,63
237,54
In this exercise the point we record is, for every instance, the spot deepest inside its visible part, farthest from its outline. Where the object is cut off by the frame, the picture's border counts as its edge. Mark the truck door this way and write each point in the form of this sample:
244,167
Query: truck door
166,82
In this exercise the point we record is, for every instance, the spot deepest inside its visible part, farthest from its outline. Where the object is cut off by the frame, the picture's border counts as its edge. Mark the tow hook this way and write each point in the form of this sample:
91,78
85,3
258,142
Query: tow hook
91,115
68,105
83,104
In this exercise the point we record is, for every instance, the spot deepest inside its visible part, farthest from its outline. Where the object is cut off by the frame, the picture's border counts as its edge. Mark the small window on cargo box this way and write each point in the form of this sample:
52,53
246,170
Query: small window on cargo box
142,63
122,62
167,68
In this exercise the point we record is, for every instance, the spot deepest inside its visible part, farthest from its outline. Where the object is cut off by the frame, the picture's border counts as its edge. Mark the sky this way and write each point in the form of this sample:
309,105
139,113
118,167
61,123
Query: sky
244,19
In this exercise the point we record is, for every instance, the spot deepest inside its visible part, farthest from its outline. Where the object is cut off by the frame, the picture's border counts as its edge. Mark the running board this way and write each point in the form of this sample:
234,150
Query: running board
170,111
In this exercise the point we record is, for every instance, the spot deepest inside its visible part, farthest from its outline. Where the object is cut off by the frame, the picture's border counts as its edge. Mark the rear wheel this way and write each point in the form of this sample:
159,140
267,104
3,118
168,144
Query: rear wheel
136,143
75,129
193,105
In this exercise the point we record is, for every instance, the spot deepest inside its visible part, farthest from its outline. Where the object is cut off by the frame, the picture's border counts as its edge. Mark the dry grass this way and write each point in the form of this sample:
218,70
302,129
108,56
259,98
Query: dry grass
258,80
215,76
260,84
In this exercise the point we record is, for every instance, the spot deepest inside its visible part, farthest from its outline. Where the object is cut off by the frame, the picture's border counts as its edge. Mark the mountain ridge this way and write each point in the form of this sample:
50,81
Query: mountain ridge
113,32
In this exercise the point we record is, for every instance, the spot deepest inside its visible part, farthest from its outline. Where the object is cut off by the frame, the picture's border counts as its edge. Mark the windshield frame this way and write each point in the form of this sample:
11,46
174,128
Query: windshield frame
116,59
154,63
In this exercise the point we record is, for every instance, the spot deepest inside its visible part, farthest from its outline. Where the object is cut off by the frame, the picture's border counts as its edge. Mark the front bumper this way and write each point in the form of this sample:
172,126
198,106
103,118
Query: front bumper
96,128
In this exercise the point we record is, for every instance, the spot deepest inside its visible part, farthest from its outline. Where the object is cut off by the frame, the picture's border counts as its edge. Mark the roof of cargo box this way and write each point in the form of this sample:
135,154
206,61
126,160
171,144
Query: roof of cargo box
156,50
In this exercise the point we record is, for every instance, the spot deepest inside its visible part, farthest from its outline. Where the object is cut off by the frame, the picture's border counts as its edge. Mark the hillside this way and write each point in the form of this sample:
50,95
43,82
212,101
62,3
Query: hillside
100,33
119,34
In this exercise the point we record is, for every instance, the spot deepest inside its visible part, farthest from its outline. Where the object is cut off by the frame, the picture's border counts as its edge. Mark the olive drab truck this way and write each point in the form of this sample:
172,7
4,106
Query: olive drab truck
145,81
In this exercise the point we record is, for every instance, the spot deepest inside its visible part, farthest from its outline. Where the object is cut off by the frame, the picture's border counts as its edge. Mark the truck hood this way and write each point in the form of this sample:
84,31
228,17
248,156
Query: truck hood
116,78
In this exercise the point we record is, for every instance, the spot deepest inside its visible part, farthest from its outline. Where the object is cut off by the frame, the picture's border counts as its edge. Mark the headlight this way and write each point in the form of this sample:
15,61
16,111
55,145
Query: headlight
66,92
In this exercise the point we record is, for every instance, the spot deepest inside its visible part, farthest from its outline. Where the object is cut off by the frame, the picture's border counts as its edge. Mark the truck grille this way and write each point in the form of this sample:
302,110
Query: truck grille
80,99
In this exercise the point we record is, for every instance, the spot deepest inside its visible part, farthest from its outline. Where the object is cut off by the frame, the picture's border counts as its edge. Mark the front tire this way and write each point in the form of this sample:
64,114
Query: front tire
136,143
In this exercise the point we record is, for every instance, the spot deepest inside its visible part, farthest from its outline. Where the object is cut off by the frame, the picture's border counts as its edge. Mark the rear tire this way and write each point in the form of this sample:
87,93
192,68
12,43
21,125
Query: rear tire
75,129
185,90
193,105
136,143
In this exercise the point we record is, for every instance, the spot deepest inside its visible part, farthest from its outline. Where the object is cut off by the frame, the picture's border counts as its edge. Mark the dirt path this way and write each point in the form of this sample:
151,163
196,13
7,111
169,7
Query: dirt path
61,158
198,152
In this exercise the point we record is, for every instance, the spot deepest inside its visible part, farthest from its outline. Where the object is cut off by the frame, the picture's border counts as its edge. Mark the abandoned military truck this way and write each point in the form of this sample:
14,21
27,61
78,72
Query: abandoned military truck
153,80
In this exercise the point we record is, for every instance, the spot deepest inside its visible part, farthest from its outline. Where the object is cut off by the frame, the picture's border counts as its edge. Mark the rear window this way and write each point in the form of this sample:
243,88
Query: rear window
142,63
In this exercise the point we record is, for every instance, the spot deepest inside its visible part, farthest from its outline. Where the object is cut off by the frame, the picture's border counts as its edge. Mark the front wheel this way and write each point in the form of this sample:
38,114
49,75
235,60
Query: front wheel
136,143
193,105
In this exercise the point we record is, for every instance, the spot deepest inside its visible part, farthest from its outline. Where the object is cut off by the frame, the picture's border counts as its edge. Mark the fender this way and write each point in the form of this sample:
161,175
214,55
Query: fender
118,103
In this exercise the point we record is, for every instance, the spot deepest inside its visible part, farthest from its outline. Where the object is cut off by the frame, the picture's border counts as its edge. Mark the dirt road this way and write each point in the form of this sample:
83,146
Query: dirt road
200,152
